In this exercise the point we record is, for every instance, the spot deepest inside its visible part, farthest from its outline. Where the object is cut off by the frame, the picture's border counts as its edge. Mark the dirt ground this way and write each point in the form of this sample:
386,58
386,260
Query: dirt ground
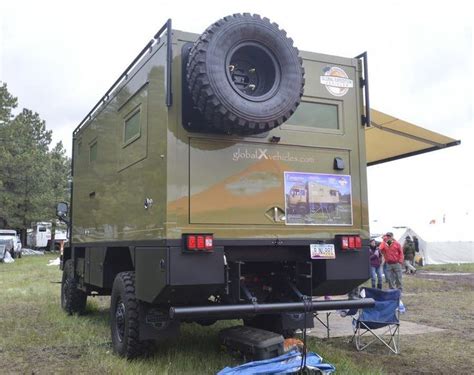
438,299
450,277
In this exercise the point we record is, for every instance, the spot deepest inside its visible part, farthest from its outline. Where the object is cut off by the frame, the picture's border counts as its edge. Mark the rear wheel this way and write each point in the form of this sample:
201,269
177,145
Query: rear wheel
73,300
124,318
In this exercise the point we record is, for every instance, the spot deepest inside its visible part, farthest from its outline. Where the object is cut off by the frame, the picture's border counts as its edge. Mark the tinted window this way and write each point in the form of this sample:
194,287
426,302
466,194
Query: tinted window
315,115
132,127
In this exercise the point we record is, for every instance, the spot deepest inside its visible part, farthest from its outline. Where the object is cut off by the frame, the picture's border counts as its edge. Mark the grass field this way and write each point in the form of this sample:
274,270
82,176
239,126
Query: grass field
38,337
461,267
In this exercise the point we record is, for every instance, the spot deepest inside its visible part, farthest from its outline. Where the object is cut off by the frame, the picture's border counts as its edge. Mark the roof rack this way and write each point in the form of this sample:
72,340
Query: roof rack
169,99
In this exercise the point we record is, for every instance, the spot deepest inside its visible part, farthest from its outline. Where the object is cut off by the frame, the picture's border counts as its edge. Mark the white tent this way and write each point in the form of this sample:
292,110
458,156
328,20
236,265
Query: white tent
441,243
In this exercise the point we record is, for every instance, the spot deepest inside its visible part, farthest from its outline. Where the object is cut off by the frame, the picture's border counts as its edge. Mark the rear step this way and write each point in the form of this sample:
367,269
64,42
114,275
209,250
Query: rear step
236,311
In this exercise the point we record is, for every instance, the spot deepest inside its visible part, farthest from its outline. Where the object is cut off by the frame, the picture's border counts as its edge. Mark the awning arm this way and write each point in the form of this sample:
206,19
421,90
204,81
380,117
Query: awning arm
407,135
414,153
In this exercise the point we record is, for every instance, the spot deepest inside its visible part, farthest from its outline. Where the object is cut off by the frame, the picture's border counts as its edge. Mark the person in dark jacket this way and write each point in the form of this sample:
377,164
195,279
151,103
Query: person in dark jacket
375,258
409,255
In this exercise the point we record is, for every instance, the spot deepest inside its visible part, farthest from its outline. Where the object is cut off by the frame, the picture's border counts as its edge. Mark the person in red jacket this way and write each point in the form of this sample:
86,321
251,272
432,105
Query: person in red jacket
393,255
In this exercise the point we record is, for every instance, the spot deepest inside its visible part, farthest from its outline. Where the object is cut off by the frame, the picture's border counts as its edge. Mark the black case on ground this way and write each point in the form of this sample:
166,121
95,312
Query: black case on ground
254,343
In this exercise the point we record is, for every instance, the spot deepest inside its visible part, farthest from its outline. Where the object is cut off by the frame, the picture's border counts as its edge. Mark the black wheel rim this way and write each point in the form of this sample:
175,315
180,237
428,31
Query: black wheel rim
65,288
253,71
120,320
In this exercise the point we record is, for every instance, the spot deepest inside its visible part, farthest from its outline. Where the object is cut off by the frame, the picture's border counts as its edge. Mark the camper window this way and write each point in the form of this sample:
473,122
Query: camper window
315,115
132,127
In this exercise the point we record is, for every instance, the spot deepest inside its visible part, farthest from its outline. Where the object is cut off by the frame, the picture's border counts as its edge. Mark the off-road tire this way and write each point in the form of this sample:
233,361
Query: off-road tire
73,300
124,318
226,97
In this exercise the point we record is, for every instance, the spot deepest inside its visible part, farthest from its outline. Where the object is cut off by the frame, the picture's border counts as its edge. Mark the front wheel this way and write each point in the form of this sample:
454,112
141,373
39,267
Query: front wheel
73,300
124,318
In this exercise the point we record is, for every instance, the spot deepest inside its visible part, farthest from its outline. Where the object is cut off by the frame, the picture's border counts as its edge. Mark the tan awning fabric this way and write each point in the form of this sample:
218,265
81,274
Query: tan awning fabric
389,138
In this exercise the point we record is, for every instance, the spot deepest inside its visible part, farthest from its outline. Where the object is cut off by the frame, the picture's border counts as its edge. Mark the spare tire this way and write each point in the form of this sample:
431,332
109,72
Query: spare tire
245,75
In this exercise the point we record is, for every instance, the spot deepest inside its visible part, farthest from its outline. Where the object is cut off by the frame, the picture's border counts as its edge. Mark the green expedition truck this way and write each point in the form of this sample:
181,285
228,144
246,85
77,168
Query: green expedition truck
180,178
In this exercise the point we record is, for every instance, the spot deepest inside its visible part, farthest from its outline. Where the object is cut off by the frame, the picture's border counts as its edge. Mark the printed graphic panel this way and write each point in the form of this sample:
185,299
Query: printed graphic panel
318,199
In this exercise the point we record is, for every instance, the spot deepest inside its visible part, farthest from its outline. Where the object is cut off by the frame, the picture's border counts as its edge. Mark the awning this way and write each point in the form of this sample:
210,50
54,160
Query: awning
389,138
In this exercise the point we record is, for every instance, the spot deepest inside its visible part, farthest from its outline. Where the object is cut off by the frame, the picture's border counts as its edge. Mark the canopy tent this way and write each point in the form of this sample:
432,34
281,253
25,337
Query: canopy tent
400,139
441,243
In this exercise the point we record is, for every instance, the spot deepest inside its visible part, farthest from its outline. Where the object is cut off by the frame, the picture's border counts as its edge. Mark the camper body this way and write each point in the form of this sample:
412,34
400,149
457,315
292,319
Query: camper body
39,236
197,220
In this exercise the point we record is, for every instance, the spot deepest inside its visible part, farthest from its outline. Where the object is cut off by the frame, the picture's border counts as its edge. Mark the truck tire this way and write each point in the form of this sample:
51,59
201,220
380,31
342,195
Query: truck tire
245,75
73,300
124,318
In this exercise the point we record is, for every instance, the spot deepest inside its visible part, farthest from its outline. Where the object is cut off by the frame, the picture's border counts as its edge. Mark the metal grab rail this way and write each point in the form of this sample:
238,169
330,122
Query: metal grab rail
255,308
365,83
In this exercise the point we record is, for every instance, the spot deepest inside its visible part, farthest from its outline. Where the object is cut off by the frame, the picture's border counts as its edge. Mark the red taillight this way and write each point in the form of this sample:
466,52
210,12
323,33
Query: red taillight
200,242
191,243
203,242
351,242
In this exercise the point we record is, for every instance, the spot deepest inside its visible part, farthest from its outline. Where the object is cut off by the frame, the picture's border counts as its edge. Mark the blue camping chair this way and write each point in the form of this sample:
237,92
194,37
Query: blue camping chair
384,315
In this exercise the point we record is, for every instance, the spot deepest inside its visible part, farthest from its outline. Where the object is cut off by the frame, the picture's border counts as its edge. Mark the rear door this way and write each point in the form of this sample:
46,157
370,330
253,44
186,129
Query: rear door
256,180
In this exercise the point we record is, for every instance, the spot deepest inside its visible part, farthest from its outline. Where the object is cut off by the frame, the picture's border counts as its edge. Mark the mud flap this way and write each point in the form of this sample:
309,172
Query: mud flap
155,324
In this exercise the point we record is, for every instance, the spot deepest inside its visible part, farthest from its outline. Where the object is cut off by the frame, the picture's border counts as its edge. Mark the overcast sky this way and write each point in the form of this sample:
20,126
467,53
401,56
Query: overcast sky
60,57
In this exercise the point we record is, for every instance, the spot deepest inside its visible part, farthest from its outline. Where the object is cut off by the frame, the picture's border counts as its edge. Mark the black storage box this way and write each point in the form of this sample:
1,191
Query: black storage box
254,343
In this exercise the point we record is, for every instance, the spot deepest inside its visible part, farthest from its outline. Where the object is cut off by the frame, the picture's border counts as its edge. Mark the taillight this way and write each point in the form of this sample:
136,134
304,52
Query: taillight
351,242
199,242
191,242
344,243
208,243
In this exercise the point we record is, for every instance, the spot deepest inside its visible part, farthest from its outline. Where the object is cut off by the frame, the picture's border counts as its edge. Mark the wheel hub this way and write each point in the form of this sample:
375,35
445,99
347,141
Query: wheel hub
253,71
120,320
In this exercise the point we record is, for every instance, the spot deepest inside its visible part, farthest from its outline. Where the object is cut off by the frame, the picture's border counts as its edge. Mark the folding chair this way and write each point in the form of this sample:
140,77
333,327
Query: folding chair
384,315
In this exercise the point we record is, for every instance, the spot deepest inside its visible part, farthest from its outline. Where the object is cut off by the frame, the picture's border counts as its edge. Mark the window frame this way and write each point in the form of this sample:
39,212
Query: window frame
135,111
92,144
312,129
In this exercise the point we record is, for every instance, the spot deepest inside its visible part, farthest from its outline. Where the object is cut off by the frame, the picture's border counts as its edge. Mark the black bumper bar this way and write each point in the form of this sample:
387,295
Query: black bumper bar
266,308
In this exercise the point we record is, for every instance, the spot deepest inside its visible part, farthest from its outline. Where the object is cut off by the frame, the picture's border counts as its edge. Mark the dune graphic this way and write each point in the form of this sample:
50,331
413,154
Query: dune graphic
240,198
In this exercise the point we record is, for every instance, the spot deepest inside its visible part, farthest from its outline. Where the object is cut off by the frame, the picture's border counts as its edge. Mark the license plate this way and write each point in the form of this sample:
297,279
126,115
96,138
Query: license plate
322,251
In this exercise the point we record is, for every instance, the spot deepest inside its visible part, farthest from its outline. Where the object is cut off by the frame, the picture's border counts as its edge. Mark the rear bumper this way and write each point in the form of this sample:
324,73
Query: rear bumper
237,311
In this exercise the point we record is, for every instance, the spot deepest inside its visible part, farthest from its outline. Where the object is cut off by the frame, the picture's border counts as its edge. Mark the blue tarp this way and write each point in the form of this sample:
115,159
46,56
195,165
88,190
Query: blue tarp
287,363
